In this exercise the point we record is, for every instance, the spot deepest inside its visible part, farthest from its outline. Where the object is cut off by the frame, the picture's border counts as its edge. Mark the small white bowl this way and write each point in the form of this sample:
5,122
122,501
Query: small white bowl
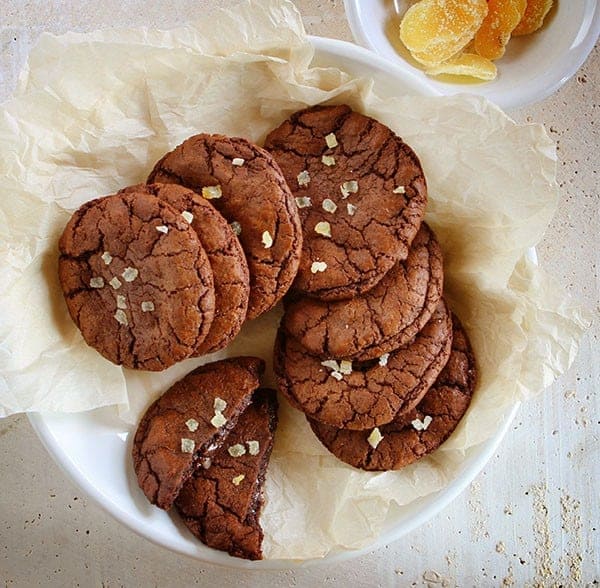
533,67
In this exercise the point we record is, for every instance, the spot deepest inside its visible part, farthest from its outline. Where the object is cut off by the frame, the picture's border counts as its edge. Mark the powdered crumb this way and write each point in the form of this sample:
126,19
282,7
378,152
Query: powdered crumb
433,579
571,525
480,518
509,579
543,537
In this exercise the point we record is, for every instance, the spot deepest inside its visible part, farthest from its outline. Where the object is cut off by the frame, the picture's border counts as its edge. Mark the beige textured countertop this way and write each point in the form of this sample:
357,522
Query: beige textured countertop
530,518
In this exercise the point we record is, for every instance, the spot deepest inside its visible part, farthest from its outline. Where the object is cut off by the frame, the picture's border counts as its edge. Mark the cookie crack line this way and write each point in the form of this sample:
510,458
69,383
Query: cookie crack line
361,152
201,492
208,156
121,226
372,394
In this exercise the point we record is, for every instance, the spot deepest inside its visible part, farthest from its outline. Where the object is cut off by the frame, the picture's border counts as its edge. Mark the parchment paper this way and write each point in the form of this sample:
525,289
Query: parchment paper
93,112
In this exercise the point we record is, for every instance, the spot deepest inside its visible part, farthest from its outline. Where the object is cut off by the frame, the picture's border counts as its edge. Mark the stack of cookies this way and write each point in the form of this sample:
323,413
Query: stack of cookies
160,272
333,209
367,348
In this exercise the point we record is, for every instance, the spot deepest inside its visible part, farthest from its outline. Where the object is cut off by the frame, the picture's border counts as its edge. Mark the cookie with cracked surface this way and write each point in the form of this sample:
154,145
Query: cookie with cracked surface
380,320
136,280
221,502
361,194
419,432
226,257
368,394
188,421
246,186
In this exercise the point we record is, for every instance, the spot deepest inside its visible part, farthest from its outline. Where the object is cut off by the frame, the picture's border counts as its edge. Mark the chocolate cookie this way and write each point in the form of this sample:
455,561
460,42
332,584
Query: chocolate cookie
380,320
221,502
369,394
246,186
226,257
361,195
188,421
413,435
136,280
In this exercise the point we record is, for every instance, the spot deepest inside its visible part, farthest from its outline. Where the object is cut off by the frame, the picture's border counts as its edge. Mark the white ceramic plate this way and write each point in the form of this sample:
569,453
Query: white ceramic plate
533,67
93,448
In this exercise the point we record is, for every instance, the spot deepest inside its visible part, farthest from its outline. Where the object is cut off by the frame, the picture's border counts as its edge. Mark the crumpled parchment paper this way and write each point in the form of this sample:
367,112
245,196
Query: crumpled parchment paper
92,114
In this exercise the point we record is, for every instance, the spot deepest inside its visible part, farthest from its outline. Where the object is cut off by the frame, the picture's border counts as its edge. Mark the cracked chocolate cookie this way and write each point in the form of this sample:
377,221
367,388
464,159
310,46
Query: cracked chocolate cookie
419,432
221,502
380,320
363,395
226,257
361,195
188,421
136,280
246,186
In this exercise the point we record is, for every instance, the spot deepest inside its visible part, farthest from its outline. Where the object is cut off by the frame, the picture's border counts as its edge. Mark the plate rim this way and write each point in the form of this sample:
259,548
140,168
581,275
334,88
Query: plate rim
531,97
436,501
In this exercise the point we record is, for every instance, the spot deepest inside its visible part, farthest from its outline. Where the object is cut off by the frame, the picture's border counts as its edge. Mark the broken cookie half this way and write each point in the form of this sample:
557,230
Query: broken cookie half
221,502
191,443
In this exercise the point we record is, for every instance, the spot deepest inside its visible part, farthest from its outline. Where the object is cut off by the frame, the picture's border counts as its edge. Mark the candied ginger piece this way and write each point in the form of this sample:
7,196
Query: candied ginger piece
435,30
502,17
534,16
466,64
